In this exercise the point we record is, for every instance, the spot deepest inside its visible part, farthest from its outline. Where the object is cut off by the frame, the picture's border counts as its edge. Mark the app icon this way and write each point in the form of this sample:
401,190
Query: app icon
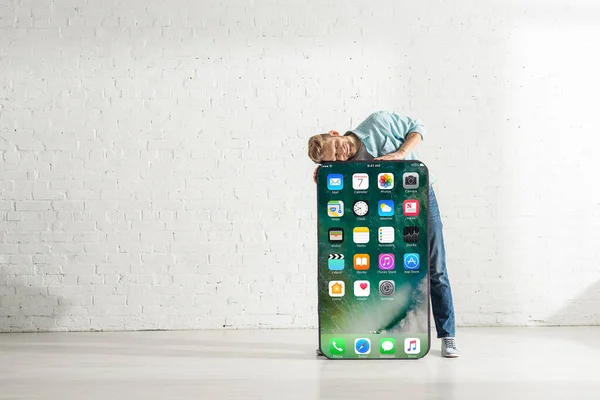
335,208
362,262
361,208
387,346
411,234
337,289
386,234
385,181
410,180
337,346
386,261
412,346
385,208
361,234
335,181
411,261
387,288
360,181
362,288
411,208
336,235
336,262
362,346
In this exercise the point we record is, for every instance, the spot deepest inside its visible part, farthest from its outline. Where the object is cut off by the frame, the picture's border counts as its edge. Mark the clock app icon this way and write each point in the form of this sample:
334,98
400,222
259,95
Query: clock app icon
361,208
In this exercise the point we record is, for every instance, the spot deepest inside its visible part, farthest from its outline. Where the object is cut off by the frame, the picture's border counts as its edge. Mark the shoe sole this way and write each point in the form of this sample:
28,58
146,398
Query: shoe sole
451,355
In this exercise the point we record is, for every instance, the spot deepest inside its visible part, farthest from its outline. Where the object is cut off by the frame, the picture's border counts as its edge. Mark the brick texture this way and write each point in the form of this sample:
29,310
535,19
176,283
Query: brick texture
153,167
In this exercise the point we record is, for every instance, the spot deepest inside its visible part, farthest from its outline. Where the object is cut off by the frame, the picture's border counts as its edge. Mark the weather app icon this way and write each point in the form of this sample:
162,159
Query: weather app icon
385,208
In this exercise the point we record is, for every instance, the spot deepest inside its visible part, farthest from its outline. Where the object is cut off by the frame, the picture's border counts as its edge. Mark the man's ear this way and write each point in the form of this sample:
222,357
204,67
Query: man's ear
334,133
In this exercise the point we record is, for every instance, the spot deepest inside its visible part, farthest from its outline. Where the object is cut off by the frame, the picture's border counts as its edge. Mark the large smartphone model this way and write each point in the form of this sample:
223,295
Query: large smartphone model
373,259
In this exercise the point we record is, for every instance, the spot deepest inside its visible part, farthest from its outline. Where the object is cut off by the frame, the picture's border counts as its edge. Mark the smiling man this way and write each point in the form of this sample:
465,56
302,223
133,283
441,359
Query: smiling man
388,136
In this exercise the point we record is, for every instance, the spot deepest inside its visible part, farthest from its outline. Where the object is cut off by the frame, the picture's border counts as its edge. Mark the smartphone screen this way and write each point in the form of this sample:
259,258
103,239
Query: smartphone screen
373,261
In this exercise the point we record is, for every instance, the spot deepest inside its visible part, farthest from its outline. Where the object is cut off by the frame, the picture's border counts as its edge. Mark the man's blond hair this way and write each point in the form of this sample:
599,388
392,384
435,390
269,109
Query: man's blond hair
315,146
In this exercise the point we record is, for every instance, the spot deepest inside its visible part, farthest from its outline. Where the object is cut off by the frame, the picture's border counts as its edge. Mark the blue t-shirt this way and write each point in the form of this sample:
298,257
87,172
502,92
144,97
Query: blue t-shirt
384,132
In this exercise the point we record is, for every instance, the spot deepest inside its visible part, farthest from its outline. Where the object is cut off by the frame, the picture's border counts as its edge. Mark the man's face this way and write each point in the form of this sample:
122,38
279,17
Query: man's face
337,148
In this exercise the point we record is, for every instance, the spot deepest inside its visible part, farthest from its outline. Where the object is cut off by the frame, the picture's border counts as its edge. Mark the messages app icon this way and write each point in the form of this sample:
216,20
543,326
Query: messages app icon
387,346
335,181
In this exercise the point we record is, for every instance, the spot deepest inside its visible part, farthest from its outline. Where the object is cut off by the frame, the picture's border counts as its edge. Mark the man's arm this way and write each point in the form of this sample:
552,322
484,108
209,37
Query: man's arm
412,140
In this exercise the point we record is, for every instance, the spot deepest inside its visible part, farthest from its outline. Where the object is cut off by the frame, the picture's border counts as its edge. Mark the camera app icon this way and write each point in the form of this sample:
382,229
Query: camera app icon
410,180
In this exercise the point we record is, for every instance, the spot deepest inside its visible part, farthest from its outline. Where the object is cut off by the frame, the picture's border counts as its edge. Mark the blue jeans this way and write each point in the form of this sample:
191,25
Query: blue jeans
441,294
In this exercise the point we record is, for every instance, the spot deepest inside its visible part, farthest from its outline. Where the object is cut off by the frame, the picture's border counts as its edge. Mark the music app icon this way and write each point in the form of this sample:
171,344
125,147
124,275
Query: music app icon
386,261
412,346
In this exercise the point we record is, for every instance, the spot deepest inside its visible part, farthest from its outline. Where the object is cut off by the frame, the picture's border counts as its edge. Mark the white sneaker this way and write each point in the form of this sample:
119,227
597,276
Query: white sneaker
449,348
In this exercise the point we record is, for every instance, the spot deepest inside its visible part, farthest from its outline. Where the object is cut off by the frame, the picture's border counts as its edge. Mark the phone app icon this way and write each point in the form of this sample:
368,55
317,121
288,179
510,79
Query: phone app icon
361,234
336,235
362,288
335,181
337,288
412,346
360,181
411,261
387,346
411,234
387,288
386,234
361,208
411,208
335,262
410,180
386,261
362,346
337,346
362,262
385,208
385,181
335,208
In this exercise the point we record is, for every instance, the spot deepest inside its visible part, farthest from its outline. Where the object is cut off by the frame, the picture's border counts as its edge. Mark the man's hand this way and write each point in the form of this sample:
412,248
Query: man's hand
315,173
397,155
412,139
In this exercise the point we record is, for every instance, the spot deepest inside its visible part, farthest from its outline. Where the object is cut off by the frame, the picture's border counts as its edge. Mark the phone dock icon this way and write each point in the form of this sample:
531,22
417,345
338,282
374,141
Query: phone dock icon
337,346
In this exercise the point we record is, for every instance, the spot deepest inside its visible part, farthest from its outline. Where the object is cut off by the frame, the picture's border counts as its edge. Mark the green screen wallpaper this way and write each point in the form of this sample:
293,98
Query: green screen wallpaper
373,264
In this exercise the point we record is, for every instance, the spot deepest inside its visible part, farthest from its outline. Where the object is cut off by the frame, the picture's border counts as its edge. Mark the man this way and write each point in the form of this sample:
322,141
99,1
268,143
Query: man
388,136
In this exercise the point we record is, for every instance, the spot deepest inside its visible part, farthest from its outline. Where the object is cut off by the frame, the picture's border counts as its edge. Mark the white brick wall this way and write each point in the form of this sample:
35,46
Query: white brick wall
153,154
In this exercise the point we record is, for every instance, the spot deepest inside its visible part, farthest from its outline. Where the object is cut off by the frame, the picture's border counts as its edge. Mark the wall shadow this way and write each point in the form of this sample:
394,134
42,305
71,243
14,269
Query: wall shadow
26,307
583,309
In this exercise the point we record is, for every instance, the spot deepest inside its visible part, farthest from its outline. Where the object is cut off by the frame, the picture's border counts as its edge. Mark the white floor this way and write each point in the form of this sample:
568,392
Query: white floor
496,363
